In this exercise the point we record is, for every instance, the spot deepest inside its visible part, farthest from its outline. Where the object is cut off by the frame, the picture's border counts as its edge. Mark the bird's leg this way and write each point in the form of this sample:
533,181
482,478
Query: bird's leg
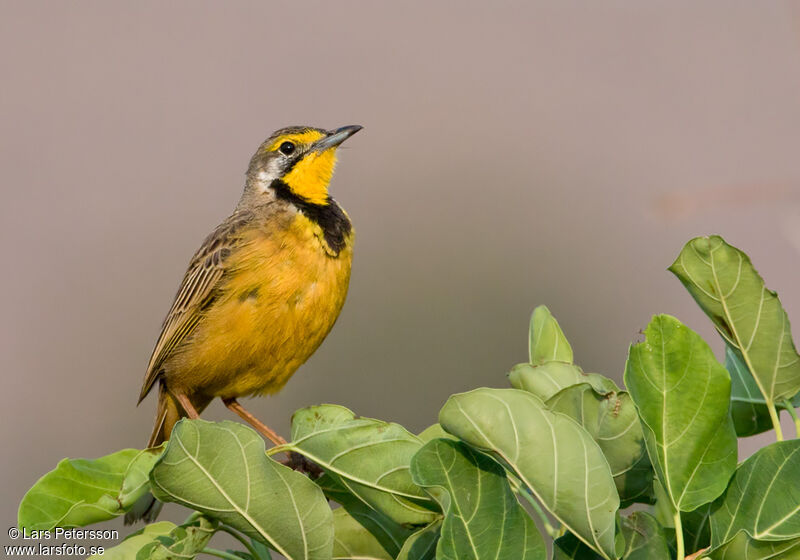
260,427
187,405
293,460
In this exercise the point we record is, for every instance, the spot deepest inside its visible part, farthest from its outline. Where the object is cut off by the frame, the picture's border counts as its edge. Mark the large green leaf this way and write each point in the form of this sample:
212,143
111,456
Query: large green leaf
386,532
696,524
549,452
683,396
422,544
763,498
749,317
133,543
313,419
612,421
642,536
741,547
483,519
351,540
547,379
370,458
433,431
748,407
262,551
79,492
546,341
221,470
662,509
697,528
570,547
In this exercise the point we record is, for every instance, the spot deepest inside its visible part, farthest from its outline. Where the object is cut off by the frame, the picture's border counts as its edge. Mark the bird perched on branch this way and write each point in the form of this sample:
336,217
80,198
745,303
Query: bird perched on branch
263,290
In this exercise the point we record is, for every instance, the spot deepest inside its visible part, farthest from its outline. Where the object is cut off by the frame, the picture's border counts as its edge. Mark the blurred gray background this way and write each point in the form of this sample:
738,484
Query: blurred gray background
513,154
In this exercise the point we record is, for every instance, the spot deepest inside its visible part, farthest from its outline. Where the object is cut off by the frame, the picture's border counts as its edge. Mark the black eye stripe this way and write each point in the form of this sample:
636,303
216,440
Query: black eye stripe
287,148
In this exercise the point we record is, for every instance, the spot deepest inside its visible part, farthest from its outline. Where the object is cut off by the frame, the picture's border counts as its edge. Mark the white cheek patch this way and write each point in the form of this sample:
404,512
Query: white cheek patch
263,181
266,176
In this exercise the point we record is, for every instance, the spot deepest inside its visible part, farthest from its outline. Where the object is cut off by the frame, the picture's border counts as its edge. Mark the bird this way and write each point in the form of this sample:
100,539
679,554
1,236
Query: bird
263,290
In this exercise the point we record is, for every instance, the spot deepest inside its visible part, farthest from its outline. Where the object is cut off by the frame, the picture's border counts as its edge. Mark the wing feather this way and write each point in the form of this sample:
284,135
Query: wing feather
198,289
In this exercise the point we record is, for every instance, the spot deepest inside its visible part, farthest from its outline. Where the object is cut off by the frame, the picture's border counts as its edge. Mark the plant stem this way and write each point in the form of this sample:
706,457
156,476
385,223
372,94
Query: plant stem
278,449
679,535
235,534
776,421
793,413
220,554
539,511
192,517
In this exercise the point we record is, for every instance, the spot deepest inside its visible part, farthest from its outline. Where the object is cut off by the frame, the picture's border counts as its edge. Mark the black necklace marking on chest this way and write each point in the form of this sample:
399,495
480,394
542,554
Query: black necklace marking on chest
330,217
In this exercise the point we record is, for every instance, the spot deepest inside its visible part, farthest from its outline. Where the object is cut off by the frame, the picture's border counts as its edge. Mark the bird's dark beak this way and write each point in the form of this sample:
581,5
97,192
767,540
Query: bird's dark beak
336,137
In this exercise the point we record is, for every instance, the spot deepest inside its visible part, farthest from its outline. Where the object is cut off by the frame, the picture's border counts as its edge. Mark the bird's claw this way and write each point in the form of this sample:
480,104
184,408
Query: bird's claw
299,463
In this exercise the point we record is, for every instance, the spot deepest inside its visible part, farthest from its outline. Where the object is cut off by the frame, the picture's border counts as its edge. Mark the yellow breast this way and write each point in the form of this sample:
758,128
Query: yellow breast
282,294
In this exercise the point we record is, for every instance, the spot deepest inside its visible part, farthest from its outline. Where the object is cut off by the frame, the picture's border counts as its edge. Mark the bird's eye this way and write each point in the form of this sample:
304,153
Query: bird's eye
287,148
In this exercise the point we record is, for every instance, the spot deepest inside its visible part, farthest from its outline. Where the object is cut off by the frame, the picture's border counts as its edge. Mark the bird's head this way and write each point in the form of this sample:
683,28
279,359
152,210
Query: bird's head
297,162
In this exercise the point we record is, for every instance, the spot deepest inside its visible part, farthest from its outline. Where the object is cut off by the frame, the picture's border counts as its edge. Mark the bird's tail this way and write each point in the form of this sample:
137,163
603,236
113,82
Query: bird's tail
167,414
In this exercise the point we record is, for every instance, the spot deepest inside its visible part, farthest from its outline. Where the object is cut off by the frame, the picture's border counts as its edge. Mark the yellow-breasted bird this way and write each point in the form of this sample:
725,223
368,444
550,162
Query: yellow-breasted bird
263,290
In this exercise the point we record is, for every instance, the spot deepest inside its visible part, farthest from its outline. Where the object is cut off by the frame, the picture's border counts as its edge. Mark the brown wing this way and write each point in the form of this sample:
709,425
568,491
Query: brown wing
198,290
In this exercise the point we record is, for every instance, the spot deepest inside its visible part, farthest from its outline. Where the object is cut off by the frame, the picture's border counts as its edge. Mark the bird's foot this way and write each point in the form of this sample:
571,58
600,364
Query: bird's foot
299,463
293,460
248,417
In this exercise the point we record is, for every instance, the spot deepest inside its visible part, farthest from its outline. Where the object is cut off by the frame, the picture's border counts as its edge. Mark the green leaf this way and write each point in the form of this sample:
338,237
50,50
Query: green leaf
482,516
696,524
697,528
748,407
611,419
750,416
370,458
741,547
79,492
433,431
570,547
662,509
547,379
683,395
221,470
549,452
133,543
389,534
422,544
547,342
748,316
310,420
262,551
352,540
763,498
184,541
642,536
